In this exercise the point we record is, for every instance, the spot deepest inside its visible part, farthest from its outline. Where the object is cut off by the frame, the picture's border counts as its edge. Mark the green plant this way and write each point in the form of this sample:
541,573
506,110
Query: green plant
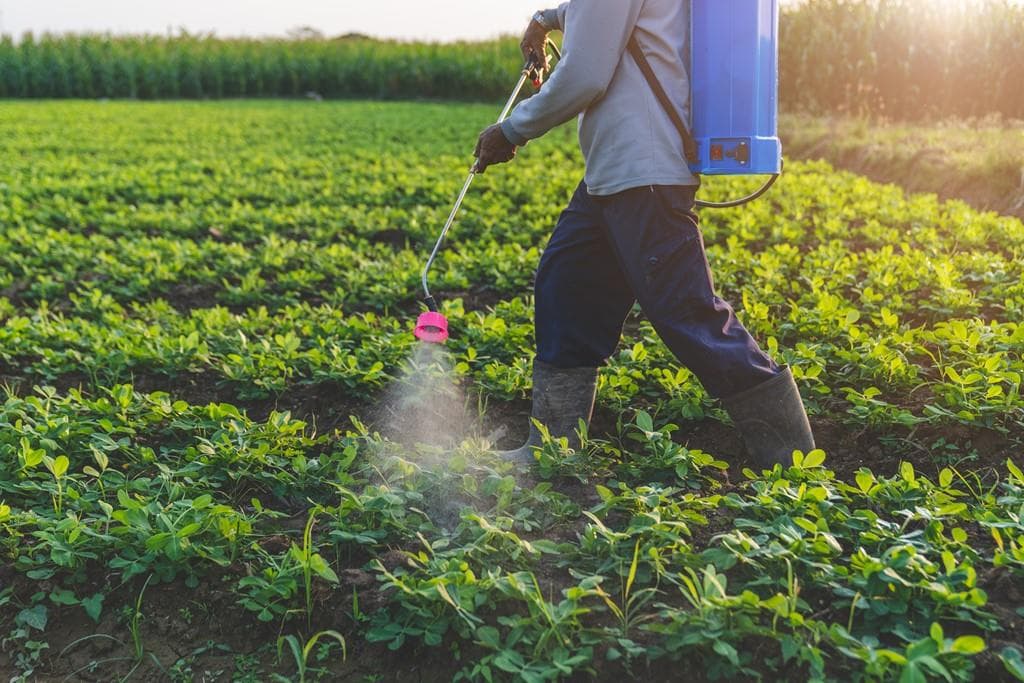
300,651
268,592
626,609
931,657
310,563
58,467
207,332
134,620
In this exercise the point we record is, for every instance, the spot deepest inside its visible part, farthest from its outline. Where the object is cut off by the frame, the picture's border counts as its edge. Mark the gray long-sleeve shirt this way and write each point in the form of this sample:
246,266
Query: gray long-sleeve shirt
626,137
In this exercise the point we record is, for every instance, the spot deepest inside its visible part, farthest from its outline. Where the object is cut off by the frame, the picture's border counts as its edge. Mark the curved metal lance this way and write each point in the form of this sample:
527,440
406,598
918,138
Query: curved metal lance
432,326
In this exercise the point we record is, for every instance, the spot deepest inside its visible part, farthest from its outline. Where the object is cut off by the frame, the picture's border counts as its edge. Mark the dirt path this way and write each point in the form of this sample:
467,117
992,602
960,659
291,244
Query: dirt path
981,163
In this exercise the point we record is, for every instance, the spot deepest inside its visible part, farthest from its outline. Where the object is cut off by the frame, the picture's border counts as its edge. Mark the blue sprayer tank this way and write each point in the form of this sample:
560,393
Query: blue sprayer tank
734,86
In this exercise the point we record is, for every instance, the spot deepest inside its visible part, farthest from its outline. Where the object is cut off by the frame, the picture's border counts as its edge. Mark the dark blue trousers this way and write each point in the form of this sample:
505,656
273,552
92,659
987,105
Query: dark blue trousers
640,245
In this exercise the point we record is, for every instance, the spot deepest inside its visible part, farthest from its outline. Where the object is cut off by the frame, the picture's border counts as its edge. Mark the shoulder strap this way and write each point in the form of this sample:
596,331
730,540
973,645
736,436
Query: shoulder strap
689,145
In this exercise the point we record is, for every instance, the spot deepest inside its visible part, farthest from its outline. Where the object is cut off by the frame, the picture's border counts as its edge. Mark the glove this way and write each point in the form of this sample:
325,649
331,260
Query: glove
534,49
492,147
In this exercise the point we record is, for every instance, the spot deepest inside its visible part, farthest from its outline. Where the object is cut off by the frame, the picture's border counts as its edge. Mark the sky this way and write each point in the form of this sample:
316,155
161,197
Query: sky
408,19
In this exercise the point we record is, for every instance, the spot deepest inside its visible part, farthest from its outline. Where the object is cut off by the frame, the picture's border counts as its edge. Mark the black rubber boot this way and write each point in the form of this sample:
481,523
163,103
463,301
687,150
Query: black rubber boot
772,420
561,398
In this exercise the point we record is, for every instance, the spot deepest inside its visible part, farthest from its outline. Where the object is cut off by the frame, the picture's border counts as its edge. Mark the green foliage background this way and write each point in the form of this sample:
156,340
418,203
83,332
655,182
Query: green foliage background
204,304
907,59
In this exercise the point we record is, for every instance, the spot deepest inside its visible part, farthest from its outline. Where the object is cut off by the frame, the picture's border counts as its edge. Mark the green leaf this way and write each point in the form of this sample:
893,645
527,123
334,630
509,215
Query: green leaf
912,674
319,565
293,645
1012,660
935,666
158,541
62,596
945,477
728,651
59,466
806,524
814,459
188,530
101,459
948,561
509,661
443,592
30,456
1014,470
94,606
968,645
632,567
40,574
330,633
33,617
865,480
489,636
951,509
604,492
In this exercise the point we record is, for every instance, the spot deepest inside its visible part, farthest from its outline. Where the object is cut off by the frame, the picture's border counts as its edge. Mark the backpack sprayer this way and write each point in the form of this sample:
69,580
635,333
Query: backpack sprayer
733,127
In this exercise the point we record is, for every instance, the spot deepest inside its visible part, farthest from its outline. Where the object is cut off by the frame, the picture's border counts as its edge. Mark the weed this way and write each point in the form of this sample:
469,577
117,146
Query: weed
300,651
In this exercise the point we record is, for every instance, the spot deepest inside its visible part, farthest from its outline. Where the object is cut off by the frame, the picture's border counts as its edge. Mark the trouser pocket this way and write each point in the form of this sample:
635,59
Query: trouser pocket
677,279
673,265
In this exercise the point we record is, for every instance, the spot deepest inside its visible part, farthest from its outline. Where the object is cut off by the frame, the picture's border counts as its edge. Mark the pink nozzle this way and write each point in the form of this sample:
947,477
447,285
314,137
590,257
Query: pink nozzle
432,327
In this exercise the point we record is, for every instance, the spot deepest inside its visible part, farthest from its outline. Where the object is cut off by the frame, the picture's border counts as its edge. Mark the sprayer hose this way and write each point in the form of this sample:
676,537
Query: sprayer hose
739,202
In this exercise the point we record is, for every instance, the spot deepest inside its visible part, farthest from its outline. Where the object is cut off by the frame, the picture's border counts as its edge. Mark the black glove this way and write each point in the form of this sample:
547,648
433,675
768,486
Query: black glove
533,46
492,148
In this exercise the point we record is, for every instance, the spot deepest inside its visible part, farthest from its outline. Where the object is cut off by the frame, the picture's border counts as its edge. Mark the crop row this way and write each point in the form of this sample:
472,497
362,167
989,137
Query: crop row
963,371
152,67
268,253
806,569
873,297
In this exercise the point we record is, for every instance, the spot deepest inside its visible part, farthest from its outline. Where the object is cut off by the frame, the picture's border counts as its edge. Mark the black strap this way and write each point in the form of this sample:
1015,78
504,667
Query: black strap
689,144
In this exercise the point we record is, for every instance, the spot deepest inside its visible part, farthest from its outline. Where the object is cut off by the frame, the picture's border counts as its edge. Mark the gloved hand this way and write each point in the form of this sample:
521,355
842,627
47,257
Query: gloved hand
534,48
492,147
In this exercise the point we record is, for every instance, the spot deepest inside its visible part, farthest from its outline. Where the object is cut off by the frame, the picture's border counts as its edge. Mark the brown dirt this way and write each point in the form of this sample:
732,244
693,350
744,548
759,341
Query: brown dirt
928,169
204,629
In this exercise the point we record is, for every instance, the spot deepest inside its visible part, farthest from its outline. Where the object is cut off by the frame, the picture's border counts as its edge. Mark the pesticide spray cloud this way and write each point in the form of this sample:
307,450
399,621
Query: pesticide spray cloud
426,405
427,413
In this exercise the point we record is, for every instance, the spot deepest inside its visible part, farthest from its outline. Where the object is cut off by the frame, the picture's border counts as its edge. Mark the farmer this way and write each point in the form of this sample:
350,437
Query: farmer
630,231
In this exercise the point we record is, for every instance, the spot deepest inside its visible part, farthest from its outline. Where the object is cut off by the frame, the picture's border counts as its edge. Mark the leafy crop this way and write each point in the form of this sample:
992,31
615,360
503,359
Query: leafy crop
205,306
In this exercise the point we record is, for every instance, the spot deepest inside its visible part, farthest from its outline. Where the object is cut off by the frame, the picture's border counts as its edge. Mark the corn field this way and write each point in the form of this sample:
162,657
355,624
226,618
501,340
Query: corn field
899,59
903,59
195,67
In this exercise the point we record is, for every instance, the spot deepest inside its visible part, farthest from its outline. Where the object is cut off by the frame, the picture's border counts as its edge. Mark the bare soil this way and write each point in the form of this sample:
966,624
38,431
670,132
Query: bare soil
201,631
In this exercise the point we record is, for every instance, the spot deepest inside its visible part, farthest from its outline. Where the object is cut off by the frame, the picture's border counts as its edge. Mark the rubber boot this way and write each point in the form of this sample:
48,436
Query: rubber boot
772,420
561,398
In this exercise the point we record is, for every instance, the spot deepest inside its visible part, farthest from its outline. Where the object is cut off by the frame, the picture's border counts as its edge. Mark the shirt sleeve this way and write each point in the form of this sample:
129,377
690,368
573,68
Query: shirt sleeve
556,17
596,33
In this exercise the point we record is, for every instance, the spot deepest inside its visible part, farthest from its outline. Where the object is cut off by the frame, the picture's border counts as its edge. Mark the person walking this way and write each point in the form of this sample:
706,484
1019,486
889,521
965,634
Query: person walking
630,233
